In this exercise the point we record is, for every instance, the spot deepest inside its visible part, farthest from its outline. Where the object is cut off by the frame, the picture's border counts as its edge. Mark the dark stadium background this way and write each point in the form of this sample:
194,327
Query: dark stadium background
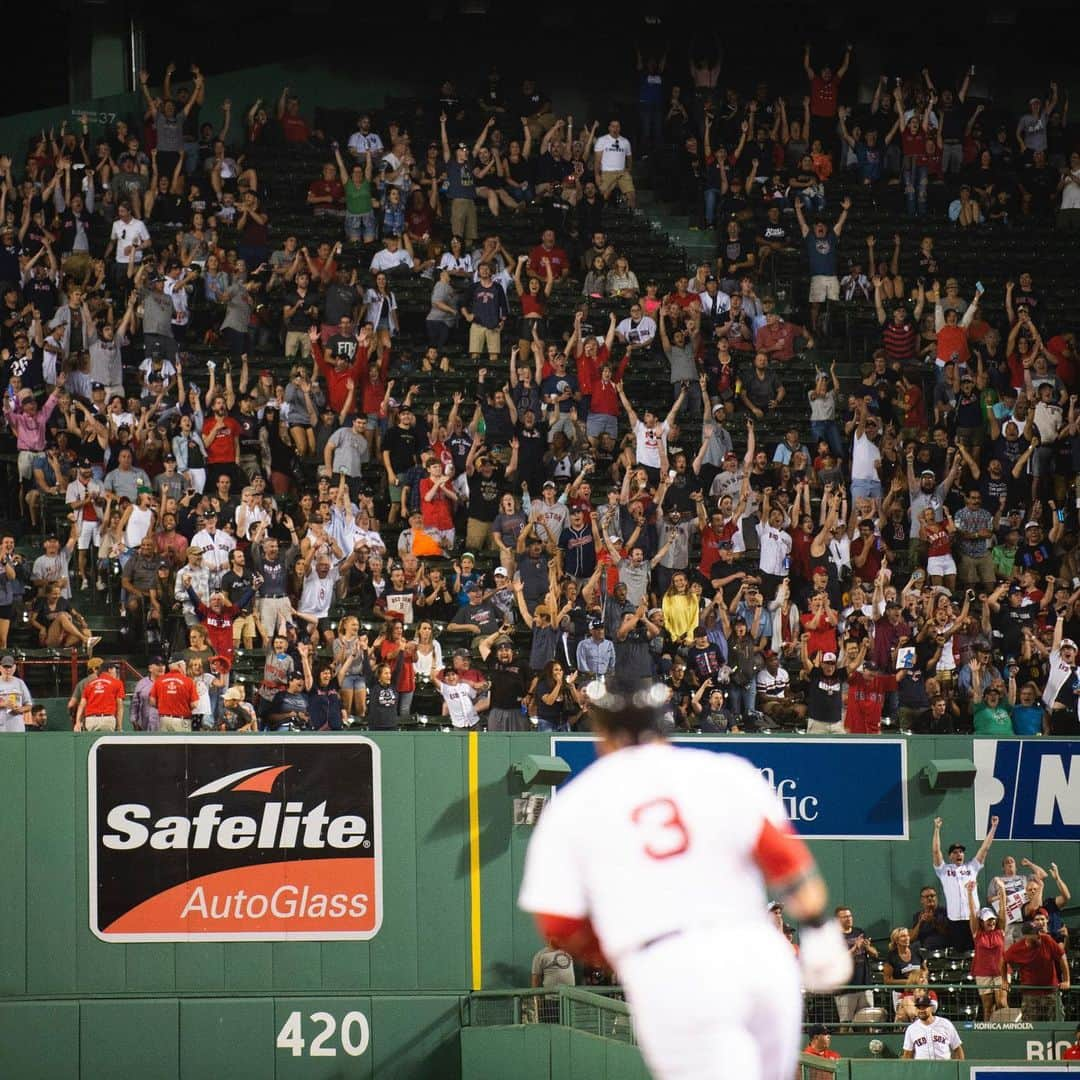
436,37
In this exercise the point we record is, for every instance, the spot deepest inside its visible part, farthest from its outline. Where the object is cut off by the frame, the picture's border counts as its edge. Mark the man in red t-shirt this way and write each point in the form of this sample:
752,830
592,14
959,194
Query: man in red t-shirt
546,249
777,338
339,372
866,553
824,88
819,1047
326,195
1042,963
865,696
294,128
101,707
174,696
437,503
221,434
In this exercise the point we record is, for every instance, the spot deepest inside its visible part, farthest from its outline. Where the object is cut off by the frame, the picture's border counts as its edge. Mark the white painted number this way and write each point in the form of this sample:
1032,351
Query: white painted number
291,1037
329,1027
355,1049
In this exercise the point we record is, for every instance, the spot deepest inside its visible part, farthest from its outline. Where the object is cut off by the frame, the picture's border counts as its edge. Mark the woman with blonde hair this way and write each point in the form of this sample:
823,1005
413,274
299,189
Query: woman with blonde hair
905,965
352,665
681,609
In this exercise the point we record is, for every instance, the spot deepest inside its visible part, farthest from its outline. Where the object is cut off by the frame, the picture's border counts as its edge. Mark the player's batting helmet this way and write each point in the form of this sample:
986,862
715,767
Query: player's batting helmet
634,706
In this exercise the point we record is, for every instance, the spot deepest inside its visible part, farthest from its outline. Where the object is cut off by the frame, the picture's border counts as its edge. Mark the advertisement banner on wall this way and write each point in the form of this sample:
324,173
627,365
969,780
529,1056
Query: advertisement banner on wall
832,789
235,838
1031,785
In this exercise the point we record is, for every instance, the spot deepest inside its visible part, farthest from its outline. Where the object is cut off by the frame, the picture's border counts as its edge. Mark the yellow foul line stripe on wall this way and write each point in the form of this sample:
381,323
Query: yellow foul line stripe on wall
474,859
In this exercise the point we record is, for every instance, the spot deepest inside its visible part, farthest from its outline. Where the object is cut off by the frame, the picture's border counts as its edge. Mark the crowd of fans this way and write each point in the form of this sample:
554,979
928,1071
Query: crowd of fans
903,553
1015,937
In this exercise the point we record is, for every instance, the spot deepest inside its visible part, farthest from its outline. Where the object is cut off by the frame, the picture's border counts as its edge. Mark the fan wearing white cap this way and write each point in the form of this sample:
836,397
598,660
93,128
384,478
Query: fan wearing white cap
15,699
989,940
1062,668
824,694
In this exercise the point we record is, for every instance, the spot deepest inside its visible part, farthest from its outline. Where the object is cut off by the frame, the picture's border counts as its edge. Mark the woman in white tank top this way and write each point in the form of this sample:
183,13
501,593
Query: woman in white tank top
138,520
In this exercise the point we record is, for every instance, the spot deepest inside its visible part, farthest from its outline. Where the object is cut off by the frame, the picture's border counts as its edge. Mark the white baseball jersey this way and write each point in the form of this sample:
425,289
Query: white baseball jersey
1015,897
459,699
954,881
931,1042
1059,672
652,840
317,594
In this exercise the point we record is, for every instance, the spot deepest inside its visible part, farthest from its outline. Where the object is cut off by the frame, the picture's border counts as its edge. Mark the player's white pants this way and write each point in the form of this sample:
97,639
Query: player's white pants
716,1004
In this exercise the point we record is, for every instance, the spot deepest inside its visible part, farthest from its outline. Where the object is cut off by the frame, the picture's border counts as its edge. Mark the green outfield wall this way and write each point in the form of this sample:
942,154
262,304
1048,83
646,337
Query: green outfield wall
451,863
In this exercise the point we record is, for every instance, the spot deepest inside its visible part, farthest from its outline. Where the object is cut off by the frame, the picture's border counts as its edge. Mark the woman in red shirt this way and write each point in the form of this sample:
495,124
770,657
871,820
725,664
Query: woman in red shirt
533,296
989,951
437,502
820,624
916,159
393,649
940,565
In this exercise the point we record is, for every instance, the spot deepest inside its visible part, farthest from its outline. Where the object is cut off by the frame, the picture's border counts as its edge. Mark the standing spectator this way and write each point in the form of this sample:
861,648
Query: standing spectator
862,950
461,185
821,245
175,697
101,707
1042,965
552,967
613,161
596,654
975,530
824,99
989,951
486,310
15,699
930,927
459,698
954,876
144,715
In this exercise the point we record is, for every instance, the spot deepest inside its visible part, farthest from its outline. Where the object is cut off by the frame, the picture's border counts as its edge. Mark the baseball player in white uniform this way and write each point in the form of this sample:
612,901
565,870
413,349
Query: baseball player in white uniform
931,1037
657,860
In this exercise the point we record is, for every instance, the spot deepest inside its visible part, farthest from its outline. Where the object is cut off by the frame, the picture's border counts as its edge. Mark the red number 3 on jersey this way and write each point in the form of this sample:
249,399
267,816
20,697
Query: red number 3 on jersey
662,827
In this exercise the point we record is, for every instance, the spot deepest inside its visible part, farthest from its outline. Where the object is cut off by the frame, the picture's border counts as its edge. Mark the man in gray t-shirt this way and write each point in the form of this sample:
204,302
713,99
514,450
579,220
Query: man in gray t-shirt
158,313
679,349
15,699
238,304
443,296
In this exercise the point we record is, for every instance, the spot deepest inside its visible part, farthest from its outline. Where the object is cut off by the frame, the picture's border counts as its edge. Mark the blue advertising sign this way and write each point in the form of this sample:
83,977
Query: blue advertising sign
1018,1072
832,789
1032,785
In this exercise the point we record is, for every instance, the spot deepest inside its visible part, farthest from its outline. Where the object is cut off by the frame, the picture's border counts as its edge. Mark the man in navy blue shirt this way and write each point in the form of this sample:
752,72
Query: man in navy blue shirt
485,310
821,244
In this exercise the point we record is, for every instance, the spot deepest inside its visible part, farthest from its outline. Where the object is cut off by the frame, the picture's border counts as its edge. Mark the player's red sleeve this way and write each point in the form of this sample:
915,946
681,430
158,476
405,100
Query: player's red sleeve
576,936
780,854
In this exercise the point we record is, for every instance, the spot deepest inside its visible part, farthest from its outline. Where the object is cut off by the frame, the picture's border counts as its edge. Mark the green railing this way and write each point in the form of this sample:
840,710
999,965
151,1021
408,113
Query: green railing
596,1014
601,1010
959,1001
815,1068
